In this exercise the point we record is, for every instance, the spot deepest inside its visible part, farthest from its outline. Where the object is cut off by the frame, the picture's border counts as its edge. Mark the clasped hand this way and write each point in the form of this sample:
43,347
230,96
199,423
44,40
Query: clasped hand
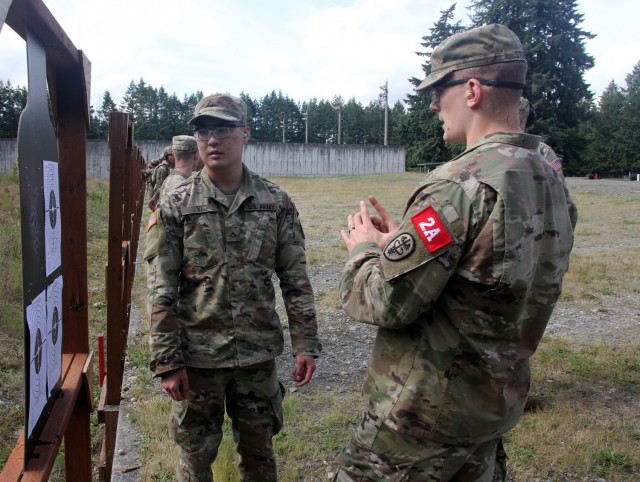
363,227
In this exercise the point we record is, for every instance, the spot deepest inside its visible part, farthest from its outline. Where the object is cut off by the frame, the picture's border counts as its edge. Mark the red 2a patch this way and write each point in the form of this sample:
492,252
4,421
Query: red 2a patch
433,233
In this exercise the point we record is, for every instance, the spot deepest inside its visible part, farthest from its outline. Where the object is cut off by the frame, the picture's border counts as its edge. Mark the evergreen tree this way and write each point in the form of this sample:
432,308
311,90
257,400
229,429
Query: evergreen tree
99,127
354,130
631,123
420,129
603,132
554,47
397,113
12,103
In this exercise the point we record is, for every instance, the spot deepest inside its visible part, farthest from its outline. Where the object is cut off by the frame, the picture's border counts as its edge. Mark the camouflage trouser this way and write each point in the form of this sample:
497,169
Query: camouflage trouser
253,399
377,453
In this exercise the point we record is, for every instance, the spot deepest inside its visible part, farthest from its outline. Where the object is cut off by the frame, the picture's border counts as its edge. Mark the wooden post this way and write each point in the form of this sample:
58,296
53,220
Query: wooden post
68,73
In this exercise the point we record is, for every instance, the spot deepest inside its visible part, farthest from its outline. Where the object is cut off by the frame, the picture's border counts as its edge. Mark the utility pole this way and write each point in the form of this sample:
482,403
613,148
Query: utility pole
385,98
305,116
338,107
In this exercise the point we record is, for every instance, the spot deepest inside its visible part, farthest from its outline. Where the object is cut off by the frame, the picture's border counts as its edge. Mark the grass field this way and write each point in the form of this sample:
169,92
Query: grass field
588,430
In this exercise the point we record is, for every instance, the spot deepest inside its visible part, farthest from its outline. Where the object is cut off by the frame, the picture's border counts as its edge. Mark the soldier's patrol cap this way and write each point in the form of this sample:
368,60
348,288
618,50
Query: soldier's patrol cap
486,45
220,106
184,143
166,152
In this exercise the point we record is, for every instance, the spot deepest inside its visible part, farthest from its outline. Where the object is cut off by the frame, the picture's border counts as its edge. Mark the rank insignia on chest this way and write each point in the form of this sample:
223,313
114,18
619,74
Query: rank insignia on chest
431,229
400,247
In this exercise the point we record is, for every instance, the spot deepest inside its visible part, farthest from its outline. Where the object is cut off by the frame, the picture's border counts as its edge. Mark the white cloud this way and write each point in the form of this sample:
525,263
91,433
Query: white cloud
304,48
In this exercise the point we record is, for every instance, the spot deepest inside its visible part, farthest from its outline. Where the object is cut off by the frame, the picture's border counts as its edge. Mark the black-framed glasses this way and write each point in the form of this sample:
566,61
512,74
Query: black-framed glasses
219,132
436,92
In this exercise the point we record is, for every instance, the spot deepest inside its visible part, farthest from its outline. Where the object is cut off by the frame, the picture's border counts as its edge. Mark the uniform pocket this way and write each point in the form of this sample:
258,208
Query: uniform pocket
264,240
202,245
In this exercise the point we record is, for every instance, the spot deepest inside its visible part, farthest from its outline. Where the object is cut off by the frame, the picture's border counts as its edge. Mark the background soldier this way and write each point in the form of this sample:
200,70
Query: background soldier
463,287
185,154
160,173
212,248
527,116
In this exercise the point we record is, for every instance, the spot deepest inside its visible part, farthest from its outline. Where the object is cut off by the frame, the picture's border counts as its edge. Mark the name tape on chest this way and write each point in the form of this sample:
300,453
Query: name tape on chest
260,207
431,229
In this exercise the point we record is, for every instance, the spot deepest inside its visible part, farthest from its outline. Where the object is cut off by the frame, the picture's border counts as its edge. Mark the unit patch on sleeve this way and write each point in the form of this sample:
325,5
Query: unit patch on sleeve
430,228
399,248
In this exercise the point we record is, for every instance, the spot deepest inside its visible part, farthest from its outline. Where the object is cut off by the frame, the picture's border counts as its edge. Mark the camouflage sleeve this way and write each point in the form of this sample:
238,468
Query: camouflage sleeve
162,174
291,268
392,287
163,254
571,205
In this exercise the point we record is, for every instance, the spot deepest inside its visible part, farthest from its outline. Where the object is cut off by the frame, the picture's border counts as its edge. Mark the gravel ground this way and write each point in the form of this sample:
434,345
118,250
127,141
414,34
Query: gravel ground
347,345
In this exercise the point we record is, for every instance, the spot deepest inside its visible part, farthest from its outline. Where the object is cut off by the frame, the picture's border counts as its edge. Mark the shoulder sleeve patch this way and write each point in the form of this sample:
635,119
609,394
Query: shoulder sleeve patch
431,229
153,220
402,246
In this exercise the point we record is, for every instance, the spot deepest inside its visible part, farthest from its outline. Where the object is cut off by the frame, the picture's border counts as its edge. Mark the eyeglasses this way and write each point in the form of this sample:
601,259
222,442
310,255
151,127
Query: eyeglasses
220,132
436,92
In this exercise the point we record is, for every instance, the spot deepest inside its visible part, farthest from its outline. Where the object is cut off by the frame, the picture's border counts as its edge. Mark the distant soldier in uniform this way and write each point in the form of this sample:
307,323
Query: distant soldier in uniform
527,116
160,173
151,166
185,154
212,248
463,287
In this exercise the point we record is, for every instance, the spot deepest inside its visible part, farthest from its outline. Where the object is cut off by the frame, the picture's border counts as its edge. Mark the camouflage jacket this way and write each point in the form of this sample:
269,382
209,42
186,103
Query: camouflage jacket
160,173
173,180
550,156
148,174
210,267
463,291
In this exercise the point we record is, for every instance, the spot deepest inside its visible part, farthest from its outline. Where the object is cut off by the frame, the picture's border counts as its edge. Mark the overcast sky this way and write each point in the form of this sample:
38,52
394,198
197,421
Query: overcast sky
305,48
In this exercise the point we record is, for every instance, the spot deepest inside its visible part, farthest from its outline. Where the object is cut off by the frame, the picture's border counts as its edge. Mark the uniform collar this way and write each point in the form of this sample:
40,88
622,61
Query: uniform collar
520,139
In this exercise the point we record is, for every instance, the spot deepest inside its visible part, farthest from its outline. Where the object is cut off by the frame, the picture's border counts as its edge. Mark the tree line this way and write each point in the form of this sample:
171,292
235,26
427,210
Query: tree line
590,136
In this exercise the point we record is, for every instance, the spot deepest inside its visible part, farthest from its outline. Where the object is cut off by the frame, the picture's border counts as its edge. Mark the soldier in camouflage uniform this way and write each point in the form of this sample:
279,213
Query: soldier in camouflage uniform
212,247
185,154
160,173
463,287
151,166
527,116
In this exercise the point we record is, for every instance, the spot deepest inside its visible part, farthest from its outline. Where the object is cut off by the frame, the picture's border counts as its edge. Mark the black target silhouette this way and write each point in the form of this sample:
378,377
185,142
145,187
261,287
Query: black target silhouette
53,214
37,355
55,324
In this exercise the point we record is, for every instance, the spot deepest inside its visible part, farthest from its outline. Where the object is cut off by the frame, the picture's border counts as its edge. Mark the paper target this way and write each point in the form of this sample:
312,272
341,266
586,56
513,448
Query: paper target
54,333
52,224
37,321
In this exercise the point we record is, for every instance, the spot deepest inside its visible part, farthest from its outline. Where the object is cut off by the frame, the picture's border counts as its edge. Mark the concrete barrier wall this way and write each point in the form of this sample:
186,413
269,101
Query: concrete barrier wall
265,158
8,155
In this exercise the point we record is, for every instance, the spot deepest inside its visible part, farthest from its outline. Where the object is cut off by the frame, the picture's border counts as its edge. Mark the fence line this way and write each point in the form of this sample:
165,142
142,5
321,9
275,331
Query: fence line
265,158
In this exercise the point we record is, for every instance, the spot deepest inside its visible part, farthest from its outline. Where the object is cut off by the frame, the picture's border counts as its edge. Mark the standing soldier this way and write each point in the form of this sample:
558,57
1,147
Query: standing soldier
212,249
527,116
185,154
160,173
462,289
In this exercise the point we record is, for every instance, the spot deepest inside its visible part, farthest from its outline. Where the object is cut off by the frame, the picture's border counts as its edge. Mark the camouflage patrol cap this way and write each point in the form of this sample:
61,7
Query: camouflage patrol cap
166,152
220,106
184,143
487,45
